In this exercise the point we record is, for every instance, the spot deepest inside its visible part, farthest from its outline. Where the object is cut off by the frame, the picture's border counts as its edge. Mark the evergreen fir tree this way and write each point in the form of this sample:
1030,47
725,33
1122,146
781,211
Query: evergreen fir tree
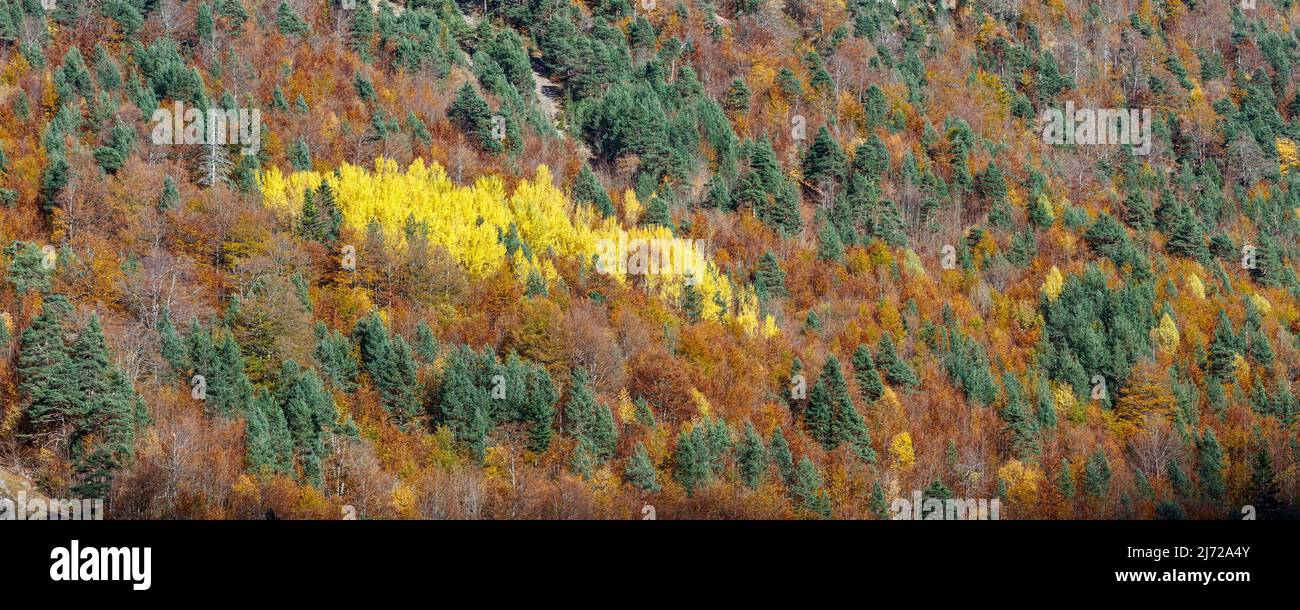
1096,475
869,383
1264,488
45,371
587,189
640,472
879,508
751,460
779,449
896,370
1065,480
1209,467
807,489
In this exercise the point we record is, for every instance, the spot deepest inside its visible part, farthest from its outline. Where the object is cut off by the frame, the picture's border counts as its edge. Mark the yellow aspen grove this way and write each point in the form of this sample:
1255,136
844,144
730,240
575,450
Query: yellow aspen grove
468,222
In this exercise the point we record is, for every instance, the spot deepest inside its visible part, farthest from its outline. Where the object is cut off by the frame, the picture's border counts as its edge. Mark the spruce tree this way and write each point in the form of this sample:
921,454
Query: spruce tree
1065,480
539,408
1017,423
587,189
896,370
640,472
1223,350
45,371
464,403
879,508
751,459
1096,475
688,466
807,489
819,415
1264,488
779,449
870,385
1209,467
644,414
769,279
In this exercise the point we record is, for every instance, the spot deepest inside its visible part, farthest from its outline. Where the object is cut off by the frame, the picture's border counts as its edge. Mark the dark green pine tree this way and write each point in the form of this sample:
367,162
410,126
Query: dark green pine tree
824,160
937,491
1065,480
1209,467
656,213
1178,480
310,223
830,248
399,388
288,22
426,344
171,197
847,425
812,324
1168,510
45,375
583,462
692,302
1017,422
580,410
229,390
991,184
258,455
107,414
779,449
737,97
538,407
1137,210
308,412
640,472
871,158
1186,237
587,189
605,433
27,270
870,385
644,414
690,461
819,415
1258,347
1046,408
536,285
1096,475
473,117
751,458
334,355
330,215
464,403
1223,350
1264,488
769,279
300,156
896,370
170,344
360,34
807,489
879,508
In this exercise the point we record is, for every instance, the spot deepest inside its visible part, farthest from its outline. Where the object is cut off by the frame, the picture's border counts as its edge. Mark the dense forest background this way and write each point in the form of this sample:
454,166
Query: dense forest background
394,307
